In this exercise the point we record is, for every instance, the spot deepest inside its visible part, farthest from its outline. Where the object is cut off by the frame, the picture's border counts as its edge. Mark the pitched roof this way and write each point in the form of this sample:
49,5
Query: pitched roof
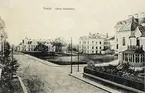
127,25
142,30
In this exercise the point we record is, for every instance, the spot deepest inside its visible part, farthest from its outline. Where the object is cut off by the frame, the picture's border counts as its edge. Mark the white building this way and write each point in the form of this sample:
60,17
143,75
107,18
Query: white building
93,44
130,32
30,44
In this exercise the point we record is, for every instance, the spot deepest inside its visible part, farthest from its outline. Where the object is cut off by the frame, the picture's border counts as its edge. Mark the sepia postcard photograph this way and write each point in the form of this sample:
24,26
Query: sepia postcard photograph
72,46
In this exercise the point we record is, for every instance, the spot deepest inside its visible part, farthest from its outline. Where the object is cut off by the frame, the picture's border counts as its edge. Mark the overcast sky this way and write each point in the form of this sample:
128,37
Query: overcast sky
29,18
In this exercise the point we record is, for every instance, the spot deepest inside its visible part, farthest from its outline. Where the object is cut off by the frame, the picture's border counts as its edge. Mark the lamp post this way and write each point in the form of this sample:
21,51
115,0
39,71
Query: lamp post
71,56
78,58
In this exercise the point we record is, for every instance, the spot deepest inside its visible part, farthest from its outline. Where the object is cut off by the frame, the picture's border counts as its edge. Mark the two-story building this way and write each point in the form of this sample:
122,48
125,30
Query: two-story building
130,36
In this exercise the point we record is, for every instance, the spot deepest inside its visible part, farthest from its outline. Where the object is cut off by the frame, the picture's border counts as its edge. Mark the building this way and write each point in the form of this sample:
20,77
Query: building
93,44
130,36
28,45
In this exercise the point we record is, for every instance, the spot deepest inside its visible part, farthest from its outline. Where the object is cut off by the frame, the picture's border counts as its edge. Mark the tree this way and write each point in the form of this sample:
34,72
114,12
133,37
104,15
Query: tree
10,66
41,47
58,43
73,48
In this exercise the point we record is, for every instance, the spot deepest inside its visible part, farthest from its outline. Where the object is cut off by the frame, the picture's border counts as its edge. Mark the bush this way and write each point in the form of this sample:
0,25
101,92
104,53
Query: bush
10,67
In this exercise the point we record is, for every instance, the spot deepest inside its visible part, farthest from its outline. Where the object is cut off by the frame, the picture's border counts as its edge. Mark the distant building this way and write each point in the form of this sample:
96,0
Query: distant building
130,36
94,43
30,45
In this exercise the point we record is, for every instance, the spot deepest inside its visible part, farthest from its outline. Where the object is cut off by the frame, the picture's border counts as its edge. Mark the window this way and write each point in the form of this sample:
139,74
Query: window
137,42
100,42
100,47
96,42
96,52
88,47
92,41
123,41
133,57
137,58
88,42
116,46
116,39
23,41
130,57
92,47
92,51
142,57
126,57
80,42
96,47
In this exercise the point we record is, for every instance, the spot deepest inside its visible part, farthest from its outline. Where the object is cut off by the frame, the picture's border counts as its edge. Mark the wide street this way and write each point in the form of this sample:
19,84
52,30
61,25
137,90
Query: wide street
46,77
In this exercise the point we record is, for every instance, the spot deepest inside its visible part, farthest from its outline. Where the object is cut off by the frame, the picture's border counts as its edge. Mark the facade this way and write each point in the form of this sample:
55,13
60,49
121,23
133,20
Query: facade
30,44
130,36
93,44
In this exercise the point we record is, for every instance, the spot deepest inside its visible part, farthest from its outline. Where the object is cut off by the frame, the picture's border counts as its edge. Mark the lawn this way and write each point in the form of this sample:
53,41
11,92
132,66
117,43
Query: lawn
82,59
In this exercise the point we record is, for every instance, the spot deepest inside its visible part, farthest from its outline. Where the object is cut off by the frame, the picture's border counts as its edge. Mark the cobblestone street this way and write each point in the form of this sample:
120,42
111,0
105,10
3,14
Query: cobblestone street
55,78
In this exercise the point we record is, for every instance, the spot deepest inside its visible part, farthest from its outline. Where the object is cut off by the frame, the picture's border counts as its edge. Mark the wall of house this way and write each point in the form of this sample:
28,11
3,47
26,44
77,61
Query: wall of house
91,46
119,40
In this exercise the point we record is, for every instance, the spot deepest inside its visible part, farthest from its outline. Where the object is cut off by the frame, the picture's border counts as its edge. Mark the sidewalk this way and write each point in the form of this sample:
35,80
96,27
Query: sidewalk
42,61
79,76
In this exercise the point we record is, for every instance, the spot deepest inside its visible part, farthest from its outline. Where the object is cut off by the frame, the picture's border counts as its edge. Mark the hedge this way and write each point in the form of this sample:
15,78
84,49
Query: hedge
121,80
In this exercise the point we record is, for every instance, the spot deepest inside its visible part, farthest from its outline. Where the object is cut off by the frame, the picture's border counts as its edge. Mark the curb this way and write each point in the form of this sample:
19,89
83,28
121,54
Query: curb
93,84
22,84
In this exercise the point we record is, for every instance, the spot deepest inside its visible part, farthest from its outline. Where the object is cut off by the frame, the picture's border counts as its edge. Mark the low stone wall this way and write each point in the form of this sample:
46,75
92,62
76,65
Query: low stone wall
120,80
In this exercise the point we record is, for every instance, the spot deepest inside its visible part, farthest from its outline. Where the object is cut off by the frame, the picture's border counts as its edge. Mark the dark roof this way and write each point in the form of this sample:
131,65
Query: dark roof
142,20
128,25
142,30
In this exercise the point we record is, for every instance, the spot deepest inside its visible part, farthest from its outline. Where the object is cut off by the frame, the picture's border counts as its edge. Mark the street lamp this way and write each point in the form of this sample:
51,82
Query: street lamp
71,56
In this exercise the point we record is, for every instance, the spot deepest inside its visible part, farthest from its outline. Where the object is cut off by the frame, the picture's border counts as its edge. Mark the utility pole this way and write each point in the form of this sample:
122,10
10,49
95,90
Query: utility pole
71,56
3,46
12,52
78,58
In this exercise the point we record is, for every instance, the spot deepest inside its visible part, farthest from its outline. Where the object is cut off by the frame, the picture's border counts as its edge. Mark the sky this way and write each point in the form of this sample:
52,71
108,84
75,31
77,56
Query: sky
39,18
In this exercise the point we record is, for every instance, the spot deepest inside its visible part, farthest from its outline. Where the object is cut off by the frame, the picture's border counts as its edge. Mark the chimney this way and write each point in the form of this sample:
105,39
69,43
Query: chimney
130,16
142,18
142,15
136,18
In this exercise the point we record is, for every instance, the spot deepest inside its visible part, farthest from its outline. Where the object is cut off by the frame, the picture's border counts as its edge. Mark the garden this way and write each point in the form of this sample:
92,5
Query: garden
9,82
124,75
